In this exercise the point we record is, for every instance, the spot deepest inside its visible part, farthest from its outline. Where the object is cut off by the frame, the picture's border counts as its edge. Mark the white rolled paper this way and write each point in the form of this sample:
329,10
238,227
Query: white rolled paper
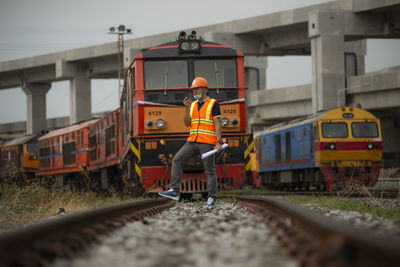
209,153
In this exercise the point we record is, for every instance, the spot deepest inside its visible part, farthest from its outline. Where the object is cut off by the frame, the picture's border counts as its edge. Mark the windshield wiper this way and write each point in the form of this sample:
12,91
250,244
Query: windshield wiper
216,75
166,79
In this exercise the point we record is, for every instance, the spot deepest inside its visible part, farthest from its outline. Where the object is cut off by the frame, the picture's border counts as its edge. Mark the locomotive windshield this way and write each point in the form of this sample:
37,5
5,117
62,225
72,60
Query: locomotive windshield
364,129
166,74
171,74
218,73
334,130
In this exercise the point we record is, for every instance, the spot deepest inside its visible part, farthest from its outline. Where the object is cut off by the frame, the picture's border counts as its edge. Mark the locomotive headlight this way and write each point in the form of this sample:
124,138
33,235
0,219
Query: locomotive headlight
195,46
224,122
370,146
235,122
331,146
185,46
160,123
150,124
189,46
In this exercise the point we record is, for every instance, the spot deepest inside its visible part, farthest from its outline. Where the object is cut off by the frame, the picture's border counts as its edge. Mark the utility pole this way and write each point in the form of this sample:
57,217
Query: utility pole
120,30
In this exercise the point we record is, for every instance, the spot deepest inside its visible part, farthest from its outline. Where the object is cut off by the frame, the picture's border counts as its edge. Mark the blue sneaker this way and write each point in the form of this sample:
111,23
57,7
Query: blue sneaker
170,194
210,202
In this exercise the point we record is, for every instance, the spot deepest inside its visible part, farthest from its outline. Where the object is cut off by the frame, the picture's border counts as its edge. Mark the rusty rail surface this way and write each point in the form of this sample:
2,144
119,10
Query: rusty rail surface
375,193
38,244
319,241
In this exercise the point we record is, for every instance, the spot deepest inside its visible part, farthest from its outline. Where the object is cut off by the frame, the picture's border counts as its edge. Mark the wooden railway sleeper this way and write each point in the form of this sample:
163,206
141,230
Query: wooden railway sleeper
101,228
31,259
75,242
57,249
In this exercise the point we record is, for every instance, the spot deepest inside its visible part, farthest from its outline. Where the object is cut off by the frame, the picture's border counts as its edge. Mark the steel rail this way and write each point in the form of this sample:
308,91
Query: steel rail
376,193
327,242
36,244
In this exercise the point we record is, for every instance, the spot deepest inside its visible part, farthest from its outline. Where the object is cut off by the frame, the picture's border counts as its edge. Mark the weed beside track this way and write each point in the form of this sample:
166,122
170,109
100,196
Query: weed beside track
38,200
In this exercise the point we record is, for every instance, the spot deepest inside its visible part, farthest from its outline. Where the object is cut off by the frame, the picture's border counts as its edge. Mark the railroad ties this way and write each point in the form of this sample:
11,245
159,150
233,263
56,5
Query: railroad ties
239,231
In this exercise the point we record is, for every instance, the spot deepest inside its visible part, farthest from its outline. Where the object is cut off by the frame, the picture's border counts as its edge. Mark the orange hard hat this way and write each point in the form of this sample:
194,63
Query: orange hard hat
199,82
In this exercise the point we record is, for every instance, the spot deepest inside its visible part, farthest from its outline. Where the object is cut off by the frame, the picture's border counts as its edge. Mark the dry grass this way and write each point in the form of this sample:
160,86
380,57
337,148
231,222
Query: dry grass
33,202
389,173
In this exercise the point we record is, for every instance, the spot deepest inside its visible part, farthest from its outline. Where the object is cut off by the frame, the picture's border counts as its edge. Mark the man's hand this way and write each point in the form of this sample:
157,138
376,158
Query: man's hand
187,102
218,147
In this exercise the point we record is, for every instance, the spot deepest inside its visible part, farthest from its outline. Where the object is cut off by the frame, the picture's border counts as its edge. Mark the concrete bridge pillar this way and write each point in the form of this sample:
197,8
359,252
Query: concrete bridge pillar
36,106
326,31
81,105
80,95
255,72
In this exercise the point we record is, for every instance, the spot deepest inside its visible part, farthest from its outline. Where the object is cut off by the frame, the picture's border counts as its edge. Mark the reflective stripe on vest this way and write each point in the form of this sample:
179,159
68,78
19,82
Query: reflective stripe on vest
202,128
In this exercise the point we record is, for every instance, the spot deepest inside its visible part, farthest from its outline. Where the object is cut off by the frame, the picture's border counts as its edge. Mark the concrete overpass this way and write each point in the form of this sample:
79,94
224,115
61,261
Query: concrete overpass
333,34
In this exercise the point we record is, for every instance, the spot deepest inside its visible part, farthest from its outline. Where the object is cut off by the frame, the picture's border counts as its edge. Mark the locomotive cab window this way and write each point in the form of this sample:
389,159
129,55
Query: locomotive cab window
32,147
364,129
334,130
165,74
218,73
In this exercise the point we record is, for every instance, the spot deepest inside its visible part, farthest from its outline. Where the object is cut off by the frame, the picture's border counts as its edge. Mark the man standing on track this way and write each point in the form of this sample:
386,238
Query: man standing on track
204,118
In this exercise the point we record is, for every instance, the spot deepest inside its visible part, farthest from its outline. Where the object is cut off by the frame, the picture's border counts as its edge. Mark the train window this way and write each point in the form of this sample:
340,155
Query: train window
364,129
334,130
32,147
218,73
165,74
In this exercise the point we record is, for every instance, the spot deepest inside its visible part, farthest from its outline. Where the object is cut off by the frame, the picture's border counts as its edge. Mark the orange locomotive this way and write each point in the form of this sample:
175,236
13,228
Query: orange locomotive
152,112
20,153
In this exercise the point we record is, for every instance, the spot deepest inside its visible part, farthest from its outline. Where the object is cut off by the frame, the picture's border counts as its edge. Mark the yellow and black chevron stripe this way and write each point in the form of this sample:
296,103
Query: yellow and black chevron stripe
249,142
135,147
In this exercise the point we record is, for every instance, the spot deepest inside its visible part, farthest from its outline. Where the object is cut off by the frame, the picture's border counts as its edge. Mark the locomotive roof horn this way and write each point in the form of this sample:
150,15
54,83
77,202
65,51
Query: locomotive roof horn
182,35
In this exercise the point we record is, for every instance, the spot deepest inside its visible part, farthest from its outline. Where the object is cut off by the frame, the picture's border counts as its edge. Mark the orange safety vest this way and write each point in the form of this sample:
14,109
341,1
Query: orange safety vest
202,129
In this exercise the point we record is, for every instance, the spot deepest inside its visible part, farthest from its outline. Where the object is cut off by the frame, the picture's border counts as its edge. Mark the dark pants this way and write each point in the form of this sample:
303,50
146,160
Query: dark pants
188,151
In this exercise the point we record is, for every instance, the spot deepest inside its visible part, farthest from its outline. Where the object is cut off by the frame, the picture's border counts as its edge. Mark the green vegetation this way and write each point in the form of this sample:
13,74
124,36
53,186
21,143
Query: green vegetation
362,205
21,205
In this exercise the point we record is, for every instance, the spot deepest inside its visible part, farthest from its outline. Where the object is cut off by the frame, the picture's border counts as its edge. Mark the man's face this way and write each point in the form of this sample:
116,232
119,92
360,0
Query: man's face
197,91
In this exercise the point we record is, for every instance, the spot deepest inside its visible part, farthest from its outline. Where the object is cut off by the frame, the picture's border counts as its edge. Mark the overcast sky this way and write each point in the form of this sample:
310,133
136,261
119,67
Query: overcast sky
36,27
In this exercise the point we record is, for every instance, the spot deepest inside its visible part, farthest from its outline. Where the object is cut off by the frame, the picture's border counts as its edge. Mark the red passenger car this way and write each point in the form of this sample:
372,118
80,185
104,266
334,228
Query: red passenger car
104,150
64,153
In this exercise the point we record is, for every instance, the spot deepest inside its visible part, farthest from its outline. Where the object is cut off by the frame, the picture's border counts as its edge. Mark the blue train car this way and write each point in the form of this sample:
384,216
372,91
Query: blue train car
286,156
287,148
326,149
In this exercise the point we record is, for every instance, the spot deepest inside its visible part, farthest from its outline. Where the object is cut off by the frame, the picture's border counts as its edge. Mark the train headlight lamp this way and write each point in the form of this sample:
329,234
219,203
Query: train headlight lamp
195,46
235,122
224,122
160,123
331,146
189,46
370,146
150,124
185,46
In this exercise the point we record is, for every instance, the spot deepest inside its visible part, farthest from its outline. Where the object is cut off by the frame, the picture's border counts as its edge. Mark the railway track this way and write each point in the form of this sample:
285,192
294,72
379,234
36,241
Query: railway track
39,244
217,234
318,241
378,193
